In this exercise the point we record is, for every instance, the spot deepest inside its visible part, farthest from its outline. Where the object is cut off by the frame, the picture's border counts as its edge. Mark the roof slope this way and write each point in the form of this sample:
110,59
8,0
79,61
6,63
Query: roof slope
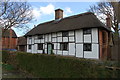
22,41
7,33
85,20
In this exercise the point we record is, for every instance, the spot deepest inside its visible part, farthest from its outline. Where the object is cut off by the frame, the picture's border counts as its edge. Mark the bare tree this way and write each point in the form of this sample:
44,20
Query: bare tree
15,14
105,8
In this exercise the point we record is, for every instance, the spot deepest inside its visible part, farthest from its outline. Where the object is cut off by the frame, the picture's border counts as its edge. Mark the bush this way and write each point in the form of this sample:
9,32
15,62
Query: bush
5,56
52,66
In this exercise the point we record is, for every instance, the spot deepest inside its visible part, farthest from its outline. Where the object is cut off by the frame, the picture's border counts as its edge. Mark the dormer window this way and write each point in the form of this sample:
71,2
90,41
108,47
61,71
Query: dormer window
40,36
65,34
86,31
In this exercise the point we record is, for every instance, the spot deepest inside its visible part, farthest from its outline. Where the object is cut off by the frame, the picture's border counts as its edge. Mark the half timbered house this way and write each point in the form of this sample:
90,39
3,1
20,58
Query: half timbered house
81,35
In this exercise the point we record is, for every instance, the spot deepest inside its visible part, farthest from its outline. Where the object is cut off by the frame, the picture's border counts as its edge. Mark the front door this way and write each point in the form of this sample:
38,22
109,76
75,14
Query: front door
49,48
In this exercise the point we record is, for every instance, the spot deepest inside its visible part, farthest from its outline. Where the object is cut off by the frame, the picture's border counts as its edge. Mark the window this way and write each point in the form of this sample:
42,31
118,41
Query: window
29,46
87,31
63,46
40,36
87,47
65,34
40,46
30,38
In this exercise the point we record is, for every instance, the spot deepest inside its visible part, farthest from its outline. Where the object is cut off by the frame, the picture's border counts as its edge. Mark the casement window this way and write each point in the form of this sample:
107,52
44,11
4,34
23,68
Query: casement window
40,36
65,34
40,46
29,46
86,31
63,46
87,47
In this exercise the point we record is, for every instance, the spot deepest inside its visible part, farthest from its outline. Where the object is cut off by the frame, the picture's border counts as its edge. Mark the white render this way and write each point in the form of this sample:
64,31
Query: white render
76,40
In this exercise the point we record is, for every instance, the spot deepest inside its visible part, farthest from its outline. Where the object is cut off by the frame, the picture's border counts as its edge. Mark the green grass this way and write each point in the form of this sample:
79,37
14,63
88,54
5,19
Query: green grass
8,71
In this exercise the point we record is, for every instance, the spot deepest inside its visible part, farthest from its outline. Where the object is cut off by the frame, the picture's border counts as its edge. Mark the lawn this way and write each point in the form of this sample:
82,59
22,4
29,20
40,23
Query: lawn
8,71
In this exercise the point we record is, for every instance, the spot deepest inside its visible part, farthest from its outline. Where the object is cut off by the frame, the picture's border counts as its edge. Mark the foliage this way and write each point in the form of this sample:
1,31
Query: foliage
52,66
102,10
15,14
5,56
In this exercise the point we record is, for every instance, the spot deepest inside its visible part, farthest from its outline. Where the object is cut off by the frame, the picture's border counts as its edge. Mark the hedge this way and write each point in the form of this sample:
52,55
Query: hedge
52,66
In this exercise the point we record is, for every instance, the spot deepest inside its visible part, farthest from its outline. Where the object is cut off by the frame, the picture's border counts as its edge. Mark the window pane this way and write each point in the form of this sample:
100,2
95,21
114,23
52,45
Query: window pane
65,34
87,47
63,46
40,46
87,31
29,47
40,36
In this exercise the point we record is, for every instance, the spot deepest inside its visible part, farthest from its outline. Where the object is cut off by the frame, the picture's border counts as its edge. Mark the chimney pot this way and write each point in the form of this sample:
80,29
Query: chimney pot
58,14
108,21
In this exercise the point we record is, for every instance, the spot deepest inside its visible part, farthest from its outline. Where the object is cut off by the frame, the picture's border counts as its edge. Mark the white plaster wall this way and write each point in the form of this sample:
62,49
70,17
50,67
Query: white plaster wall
71,33
65,52
59,52
35,48
46,40
45,46
45,50
94,35
94,54
37,41
87,38
72,49
59,39
36,37
79,50
71,39
32,48
79,36
55,45
54,39
54,35
59,34
58,46
42,41
49,38
54,51
29,50
33,40
29,41
65,39
40,51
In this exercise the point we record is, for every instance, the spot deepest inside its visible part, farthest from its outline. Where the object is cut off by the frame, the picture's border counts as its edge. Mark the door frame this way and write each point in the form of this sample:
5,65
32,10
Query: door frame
47,46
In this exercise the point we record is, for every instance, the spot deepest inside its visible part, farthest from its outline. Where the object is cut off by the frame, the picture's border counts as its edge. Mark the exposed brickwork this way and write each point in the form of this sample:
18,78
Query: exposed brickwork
103,41
6,44
58,14
8,40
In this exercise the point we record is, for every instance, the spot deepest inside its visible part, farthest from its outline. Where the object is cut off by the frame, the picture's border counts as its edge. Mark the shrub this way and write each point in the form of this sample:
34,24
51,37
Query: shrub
5,56
52,66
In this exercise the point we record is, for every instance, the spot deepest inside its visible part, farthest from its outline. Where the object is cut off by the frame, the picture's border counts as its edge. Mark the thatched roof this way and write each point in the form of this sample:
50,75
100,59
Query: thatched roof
85,20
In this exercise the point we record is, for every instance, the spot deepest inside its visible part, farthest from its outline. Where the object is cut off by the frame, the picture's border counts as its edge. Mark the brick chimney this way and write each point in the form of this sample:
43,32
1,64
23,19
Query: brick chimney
58,14
108,21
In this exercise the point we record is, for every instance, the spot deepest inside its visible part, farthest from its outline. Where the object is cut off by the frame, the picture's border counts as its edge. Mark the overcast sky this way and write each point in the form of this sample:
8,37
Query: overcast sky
44,11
